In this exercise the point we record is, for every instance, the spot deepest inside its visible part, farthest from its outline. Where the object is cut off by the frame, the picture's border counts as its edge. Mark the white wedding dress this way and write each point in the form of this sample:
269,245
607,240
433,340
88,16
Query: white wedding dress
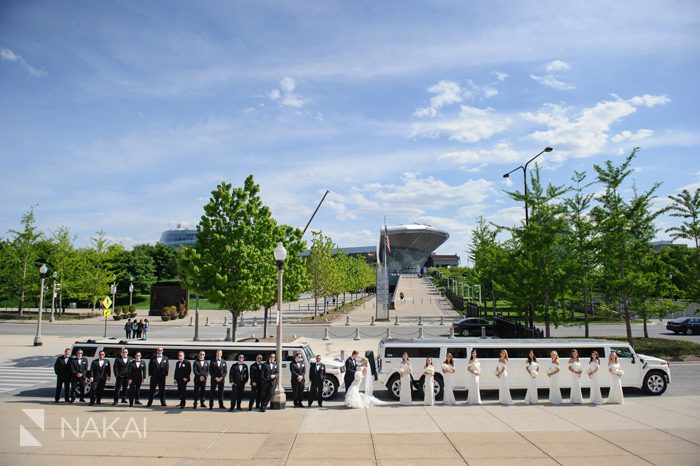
576,396
449,395
474,397
531,397
428,391
405,396
354,398
596,397
503,390
554,391
615,395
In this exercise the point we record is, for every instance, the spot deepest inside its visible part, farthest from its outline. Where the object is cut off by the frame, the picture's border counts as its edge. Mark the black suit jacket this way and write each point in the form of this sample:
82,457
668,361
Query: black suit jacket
62,367
200,370
137,374
238,377
350,369
158,370
78,367
182,370
297,370
317,374
268,369
100,373
256,373
120,368
216,370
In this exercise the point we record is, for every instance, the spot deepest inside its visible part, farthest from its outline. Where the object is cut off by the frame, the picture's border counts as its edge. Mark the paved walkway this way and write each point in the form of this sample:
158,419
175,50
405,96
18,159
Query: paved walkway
649,430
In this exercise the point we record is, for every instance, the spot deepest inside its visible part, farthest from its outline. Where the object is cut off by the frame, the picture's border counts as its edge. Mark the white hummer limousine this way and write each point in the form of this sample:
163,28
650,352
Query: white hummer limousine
646,372
112,348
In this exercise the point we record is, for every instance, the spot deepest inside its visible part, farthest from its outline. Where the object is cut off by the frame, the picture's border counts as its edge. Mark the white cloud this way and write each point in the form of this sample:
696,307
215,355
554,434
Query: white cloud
557,65
9,55
551,80
285,94
500,75
486,91
650,100
630,136
471,125
446,93
501,152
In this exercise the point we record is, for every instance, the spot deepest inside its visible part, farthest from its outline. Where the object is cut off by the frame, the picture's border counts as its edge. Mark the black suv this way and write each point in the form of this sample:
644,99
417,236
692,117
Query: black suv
687,325
472,326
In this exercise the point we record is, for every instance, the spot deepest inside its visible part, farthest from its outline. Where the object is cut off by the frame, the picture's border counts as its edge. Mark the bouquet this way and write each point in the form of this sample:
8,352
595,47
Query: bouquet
358,375
429,370
445,368
534,374
474,369
576,367
401,371
620,373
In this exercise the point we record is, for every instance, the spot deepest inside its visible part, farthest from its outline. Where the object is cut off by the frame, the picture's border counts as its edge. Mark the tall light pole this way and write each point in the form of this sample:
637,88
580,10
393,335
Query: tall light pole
53,296
196,317
279,399
37,338
524,169
131,291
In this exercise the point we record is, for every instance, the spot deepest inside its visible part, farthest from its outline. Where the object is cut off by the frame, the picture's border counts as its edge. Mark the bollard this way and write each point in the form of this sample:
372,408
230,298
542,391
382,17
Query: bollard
442,320
228,334
295,336
388,333
483,331
420,321
452,333
396,320
371,322
206,324
255,321
225,321
347,321
327,335
191,319
420,333
357,334
253,337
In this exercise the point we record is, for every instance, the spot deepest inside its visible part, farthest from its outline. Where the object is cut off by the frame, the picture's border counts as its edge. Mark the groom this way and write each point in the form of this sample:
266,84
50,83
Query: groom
350,369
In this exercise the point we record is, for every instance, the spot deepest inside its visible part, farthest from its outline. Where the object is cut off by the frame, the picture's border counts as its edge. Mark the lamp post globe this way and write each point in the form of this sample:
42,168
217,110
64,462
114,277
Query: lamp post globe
279,398
37,338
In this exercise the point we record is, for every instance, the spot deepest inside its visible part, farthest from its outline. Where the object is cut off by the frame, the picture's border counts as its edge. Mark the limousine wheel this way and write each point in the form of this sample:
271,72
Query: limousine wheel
394,387
655,383
437,386
330,388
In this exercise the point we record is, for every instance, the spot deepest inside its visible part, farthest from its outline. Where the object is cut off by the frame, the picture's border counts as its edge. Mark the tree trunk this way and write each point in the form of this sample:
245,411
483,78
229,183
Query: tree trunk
646,333
315,305
267,309
234,324
546,315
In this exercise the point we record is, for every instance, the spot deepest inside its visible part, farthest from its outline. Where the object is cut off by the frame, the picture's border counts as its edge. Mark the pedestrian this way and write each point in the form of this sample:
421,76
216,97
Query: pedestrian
139,329
134,328
127,329
146,326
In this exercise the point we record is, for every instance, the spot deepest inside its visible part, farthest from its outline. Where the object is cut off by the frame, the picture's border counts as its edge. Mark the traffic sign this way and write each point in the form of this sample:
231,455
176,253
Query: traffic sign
107,312
106,302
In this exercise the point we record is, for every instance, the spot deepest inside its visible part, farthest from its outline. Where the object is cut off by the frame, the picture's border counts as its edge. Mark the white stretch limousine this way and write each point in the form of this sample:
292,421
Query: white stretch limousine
112,349
650,373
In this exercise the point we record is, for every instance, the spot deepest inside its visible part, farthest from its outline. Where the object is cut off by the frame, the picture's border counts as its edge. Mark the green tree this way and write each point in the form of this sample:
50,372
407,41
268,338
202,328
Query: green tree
165,261
489,259
320,268
686,206
23,274
137,263
97,266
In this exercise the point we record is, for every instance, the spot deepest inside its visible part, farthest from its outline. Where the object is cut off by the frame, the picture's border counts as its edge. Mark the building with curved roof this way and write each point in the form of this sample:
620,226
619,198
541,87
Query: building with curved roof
179,237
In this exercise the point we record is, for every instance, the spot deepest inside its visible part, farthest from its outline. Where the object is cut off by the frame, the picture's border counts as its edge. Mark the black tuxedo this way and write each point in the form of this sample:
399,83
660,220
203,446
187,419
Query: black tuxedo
63,377
298,369
256,388
99,376
121,376
136,373
183,369
317,372
78,370
350,369
200,369
238,377
217,369
157,371
269,369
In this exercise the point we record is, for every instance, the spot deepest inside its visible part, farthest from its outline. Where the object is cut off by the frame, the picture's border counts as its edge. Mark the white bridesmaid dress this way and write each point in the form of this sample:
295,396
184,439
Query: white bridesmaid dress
576,396
405,396
554,391
428,392
448,378
615,395
474,397
531,397
596,397
503,390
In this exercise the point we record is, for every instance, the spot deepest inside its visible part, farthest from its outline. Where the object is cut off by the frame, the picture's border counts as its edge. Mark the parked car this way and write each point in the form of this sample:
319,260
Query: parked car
472,326
687,325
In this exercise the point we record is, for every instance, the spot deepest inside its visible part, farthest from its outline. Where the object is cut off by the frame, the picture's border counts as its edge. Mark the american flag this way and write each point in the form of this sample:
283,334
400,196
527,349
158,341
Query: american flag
387,244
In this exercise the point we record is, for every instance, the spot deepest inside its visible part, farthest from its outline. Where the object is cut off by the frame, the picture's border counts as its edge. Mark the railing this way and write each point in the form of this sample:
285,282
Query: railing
509,328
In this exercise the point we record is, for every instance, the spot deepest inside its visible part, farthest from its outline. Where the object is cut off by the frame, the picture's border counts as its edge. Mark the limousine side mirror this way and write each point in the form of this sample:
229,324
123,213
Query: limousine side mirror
634,361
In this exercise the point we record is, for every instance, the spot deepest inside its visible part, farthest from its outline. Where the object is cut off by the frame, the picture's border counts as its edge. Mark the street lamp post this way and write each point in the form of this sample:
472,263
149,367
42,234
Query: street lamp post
53,296
37,338
196,317
131,291
279,399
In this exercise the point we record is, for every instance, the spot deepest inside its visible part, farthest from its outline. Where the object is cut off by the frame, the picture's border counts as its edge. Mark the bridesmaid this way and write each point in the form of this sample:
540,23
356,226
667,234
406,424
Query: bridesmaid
616,373
428,376
448,375
405,371
502,374
474,369
553,373
575,369
532,367
594,373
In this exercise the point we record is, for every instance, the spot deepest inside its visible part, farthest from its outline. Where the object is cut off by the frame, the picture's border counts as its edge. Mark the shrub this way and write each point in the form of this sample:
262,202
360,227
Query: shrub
132,309
182,311
164,317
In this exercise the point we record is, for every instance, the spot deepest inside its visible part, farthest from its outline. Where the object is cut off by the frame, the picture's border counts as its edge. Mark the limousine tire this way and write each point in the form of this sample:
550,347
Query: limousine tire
655,383
330,387
438,385
394,386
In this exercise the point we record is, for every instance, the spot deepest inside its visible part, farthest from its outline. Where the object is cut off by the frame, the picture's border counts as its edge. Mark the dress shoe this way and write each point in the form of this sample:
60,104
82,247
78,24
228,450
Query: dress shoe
250,408
92,403
230,410
137,402
163,404
210,408
114,403
124,400
82,400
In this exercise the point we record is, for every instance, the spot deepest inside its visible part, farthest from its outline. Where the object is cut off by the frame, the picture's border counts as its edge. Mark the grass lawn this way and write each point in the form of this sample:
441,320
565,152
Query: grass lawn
45,316
665,348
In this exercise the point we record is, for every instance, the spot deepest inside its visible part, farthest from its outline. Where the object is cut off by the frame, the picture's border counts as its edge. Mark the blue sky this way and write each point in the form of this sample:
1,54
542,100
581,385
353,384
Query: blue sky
125,115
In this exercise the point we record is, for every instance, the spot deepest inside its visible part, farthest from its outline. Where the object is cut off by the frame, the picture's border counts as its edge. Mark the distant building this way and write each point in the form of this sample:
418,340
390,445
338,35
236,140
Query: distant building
444,260
659,245
179,237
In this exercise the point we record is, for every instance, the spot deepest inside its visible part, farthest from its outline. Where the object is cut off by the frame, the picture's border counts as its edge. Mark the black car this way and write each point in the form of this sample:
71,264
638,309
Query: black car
472,326
687,325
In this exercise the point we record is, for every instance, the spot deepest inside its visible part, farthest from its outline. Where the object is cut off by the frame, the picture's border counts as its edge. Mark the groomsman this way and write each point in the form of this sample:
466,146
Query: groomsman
268,376
63,375
157,371
200,369
217,372
317,372
78,370
298,370
100,373
121,375
136,373
350,369
183,369
256,389
238,377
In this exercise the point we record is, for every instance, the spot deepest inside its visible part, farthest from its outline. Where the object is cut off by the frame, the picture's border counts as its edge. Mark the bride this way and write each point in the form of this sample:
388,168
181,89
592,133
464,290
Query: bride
364,379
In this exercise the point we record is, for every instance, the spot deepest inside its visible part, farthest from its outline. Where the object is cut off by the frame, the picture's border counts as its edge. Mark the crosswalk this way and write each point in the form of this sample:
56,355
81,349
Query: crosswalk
15,378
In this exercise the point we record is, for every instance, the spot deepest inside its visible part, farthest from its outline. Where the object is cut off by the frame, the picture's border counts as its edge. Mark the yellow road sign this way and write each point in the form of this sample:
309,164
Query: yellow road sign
107,312
106,302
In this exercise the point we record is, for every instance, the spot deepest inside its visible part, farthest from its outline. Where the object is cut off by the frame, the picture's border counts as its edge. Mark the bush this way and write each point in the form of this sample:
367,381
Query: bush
173,316
164,317
182,311
132,309
133,314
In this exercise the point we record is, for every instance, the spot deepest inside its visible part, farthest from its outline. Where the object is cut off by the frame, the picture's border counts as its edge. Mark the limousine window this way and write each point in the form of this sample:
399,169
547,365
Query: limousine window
398,351
88,351
457,353
494,353
114,351
623,351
